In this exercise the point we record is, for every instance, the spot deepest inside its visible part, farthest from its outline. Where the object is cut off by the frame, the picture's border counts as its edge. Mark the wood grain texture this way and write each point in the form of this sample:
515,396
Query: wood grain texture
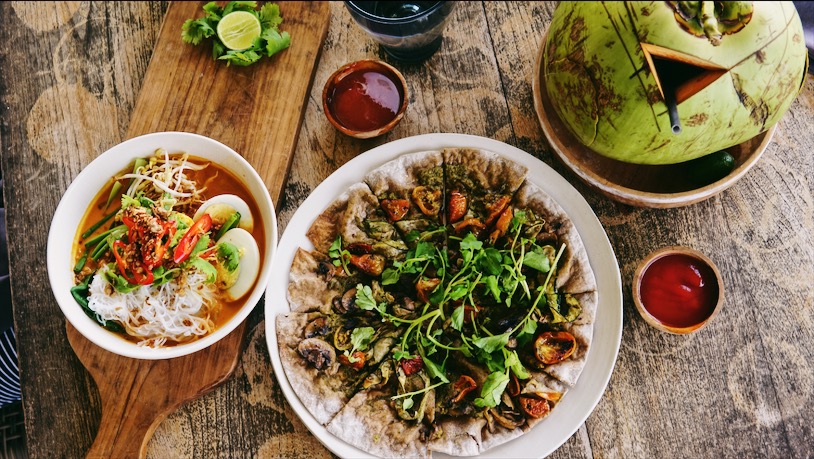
743,386
186,90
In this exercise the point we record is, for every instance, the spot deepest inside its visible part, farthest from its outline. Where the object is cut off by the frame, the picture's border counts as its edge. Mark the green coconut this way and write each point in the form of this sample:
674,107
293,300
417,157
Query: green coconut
728,71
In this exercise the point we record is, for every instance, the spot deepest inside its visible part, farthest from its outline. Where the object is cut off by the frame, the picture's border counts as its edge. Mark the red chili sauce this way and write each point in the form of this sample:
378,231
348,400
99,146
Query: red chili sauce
679,290
365,100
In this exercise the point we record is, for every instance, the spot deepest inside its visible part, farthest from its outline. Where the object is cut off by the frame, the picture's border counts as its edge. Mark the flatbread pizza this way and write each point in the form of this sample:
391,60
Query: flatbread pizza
447,305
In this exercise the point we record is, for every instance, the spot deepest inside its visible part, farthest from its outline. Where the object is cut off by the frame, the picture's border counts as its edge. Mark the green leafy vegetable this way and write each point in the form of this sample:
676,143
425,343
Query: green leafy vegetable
270,42
230,255
493,388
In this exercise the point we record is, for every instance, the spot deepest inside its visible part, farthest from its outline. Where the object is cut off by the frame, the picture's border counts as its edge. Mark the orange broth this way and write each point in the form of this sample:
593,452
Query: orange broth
218,181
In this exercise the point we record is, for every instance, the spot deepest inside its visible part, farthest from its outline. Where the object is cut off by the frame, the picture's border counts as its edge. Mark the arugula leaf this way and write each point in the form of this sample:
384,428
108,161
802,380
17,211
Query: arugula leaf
493,388
492,286
390,276
492,343
491,261
458,318
435,370
512,361
538,260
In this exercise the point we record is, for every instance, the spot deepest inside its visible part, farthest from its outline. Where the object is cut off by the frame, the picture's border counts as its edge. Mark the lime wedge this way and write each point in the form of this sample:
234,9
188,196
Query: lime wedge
238,30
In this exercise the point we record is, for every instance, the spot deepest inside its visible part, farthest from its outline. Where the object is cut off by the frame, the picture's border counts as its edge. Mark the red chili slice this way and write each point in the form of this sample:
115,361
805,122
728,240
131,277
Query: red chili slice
132,276
193,234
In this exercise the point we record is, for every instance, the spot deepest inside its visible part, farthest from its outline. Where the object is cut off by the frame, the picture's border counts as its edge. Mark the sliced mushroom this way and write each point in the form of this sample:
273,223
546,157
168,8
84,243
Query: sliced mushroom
347,303
317,352
508,419
380,377
554,346
317,327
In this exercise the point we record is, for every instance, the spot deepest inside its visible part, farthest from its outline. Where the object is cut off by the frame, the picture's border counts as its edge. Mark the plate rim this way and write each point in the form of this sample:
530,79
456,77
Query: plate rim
601,360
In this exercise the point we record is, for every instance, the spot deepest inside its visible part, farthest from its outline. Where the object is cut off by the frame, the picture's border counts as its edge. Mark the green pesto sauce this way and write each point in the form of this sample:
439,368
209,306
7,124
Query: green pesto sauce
433,177
457,176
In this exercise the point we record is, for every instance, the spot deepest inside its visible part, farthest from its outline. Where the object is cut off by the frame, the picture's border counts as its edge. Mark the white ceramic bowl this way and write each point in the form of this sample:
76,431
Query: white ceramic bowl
78,198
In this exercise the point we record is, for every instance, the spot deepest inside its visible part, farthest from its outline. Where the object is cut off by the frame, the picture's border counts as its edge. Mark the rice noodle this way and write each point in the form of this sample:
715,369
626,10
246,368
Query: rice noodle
178,311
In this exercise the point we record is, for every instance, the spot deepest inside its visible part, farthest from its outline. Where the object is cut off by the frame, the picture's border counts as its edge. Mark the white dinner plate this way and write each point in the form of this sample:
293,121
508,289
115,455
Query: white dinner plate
579,402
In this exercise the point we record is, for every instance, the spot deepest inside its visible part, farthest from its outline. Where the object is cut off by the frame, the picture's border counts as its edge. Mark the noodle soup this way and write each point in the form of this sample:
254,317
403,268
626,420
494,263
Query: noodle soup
169,251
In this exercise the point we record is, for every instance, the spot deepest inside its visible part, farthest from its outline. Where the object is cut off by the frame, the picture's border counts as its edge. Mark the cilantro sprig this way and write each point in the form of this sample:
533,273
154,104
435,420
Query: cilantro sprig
270,41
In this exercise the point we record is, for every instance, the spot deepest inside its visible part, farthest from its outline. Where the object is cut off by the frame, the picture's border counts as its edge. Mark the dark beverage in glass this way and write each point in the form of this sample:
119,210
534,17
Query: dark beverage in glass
407,31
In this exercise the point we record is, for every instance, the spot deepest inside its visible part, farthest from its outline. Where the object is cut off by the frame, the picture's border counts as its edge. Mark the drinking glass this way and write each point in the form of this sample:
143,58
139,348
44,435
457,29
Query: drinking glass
407,31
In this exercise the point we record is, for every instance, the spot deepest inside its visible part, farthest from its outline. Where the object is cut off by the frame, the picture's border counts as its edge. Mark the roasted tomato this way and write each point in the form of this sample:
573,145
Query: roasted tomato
456,206
463,386
534,407
411,366
358,360
554,346
470,224
425,286
395,209
429,201
495,206
369,263
502,224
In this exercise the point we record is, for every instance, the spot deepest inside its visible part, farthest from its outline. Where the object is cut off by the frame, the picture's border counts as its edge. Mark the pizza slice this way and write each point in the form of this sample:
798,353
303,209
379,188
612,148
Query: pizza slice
521,405
315,282
479,186
410,192
393,415
327,357
547,223
354,222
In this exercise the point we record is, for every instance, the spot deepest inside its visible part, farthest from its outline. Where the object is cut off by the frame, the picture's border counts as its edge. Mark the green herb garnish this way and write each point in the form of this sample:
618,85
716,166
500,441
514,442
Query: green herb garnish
234,41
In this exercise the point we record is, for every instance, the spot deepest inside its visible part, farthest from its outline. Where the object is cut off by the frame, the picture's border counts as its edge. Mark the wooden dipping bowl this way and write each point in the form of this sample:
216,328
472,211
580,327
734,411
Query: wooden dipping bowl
700,260
642,185
366,65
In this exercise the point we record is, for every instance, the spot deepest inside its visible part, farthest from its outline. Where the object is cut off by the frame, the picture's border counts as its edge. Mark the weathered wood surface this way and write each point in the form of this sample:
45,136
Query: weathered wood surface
70,74
134,393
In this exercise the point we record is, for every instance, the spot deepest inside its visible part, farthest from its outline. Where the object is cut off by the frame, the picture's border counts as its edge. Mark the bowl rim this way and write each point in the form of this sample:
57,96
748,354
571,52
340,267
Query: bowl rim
658,254
86,186
346,70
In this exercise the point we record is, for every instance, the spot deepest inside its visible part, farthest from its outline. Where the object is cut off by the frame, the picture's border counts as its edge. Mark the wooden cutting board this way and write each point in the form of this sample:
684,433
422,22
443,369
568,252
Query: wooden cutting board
256,110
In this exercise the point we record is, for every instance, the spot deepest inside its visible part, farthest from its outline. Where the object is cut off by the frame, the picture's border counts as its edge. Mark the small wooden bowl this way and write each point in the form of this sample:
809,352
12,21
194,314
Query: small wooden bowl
368,64
642,185
667,252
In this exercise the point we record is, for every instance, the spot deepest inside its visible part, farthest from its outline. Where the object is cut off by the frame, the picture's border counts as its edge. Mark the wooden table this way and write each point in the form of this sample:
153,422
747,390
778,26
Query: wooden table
70,73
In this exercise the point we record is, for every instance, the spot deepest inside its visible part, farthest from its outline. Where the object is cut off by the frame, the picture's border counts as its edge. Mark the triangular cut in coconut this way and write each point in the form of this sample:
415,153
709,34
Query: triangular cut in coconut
678,75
